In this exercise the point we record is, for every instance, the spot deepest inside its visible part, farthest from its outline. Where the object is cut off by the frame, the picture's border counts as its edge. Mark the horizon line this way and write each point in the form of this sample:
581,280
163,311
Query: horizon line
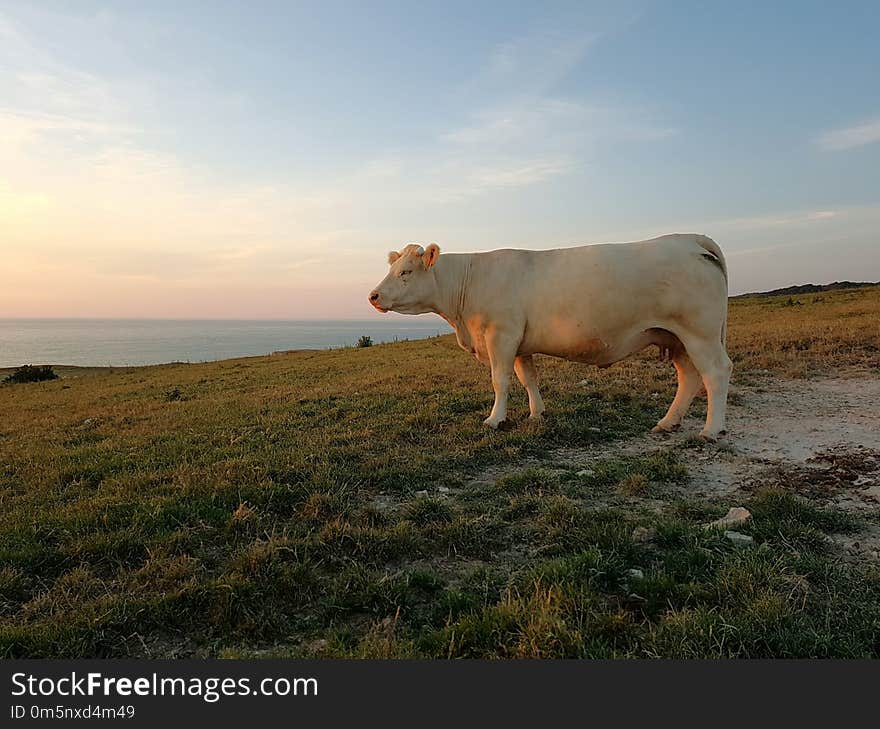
202,318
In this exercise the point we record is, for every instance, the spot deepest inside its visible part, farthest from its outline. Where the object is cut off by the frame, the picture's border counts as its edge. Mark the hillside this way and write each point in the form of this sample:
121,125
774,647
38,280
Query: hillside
812,289
349,503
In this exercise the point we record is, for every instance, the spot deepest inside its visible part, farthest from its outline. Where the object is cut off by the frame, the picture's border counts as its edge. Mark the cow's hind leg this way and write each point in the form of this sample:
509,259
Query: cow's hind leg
501,349
715,368
689,384
528,376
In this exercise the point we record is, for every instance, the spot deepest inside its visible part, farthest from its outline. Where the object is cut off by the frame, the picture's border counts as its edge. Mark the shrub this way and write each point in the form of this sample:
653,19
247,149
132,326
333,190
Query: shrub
174,394
365,341
29,373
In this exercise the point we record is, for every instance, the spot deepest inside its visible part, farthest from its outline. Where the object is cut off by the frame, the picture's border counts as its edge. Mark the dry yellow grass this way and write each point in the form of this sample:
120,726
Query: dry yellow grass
832,332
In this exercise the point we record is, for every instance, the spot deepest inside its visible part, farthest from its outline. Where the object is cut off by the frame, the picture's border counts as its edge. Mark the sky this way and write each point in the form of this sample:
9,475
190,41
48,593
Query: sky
259,160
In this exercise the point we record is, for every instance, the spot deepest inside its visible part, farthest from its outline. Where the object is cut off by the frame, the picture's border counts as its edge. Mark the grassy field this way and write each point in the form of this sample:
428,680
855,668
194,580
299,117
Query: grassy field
350,503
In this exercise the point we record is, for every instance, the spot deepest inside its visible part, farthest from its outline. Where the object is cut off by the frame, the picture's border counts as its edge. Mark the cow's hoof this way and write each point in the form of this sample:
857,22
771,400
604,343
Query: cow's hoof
536,418
663,428
492,423
711,436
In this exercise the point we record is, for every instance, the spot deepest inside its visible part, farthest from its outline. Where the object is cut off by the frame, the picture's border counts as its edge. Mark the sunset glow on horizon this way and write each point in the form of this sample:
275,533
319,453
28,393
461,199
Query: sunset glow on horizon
216,161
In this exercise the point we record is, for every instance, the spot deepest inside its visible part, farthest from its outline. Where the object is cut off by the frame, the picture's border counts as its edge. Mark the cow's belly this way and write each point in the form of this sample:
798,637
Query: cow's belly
601,348
588,351
599,352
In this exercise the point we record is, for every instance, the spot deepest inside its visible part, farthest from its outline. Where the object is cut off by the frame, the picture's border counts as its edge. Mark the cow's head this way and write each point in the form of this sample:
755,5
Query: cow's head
409,287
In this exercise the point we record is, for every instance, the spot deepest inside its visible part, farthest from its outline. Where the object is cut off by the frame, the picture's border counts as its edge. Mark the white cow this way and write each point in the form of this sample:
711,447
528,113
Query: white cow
596,304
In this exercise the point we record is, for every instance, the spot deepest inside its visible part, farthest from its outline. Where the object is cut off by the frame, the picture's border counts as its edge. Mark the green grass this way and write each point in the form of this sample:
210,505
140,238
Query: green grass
272,506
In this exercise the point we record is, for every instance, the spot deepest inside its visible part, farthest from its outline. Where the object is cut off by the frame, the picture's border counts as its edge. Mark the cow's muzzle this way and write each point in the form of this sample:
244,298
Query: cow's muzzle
374,300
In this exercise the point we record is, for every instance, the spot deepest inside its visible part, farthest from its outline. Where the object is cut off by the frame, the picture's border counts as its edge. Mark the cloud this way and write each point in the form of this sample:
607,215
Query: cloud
528,119
764,222
552,121
518,131
783,223
517,174
37,82
18,127
822,214
439,176
850,137
530,65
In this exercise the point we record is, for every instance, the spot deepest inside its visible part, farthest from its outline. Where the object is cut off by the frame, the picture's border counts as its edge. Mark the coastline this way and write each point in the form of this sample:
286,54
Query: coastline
117,343
65,371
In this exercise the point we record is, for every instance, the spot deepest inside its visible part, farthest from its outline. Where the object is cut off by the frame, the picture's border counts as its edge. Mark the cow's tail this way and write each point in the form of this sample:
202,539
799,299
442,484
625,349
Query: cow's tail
724,328
713,253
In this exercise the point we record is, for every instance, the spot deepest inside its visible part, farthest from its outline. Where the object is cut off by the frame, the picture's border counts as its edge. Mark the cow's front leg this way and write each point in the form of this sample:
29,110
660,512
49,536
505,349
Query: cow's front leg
501,349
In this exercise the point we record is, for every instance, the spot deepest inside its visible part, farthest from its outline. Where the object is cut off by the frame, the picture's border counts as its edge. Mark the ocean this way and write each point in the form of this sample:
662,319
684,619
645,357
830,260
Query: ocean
120,342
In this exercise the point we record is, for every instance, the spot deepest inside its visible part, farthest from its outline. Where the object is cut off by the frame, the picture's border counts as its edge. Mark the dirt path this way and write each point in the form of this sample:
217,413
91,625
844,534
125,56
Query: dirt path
818,438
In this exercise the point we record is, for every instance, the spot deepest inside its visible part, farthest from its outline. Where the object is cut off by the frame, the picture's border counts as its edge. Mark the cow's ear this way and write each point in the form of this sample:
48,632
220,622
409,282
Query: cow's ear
392,257
429,257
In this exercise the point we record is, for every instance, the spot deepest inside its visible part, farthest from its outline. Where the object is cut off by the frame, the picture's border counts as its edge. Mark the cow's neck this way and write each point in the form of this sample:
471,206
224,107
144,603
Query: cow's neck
452,273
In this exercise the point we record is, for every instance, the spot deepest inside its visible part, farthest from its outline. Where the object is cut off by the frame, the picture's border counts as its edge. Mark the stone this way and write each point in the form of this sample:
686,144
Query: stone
317,646
741,540
643,534
586,472
736,516
635,574
443,489
421,493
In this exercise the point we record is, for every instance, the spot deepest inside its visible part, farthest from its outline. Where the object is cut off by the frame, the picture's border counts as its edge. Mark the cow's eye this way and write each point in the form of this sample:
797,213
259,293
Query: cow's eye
405,273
